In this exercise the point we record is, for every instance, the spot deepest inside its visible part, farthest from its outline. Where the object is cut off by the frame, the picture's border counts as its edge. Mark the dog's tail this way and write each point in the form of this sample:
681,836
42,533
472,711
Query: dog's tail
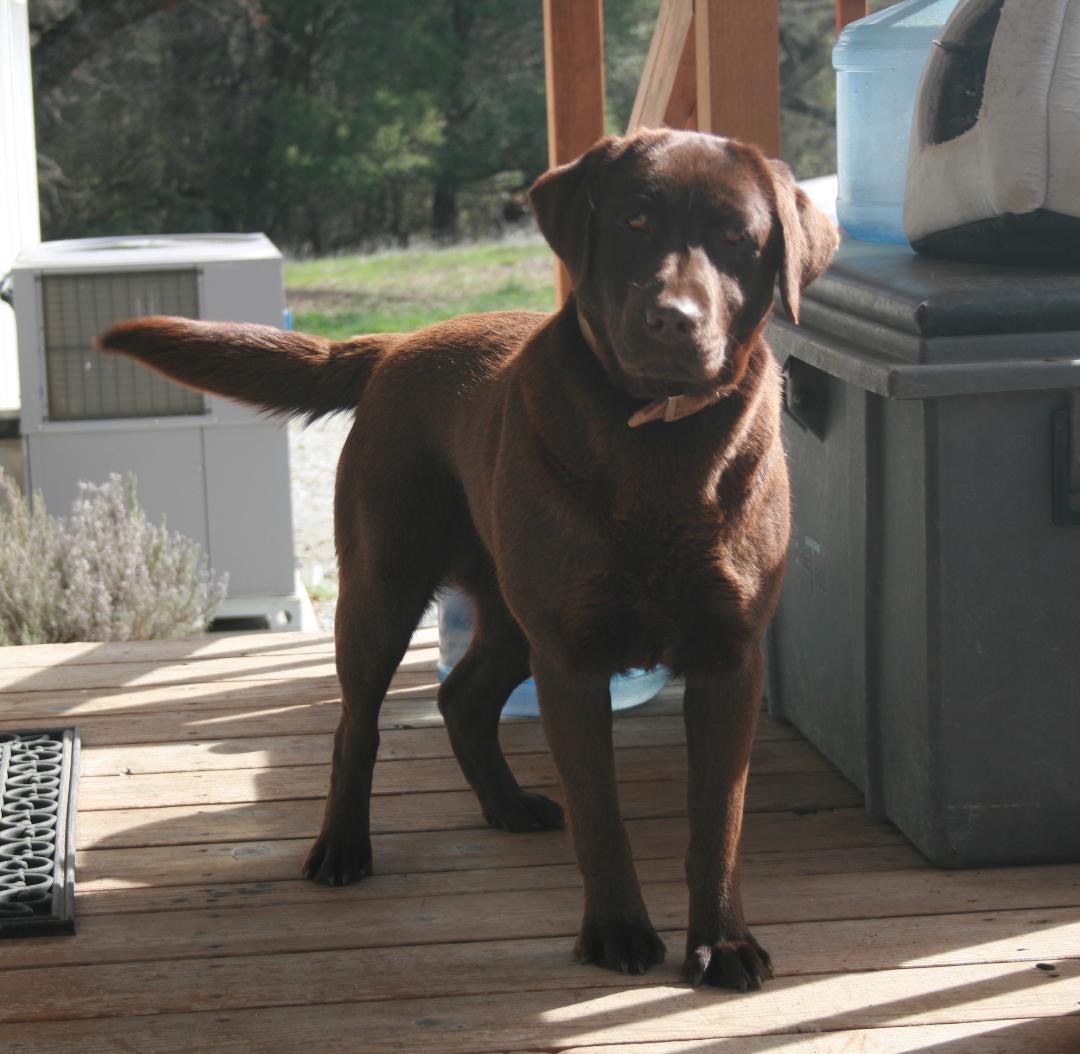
274,369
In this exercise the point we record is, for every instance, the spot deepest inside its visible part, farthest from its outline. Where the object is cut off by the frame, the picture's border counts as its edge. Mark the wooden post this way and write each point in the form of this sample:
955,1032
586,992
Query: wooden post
849,10
738,70
574,65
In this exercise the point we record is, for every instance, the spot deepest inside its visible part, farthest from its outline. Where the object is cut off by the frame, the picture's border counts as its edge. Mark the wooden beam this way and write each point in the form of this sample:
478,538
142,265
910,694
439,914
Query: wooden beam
738,70
574,66
849,10
662,66
682,106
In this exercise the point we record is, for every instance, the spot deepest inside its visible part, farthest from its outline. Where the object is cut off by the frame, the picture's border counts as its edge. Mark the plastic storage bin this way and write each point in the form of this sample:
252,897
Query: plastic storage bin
455,631
879,61
928,635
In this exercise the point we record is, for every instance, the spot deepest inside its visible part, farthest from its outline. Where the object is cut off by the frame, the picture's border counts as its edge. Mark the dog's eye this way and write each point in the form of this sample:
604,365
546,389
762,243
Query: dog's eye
637,221
735,235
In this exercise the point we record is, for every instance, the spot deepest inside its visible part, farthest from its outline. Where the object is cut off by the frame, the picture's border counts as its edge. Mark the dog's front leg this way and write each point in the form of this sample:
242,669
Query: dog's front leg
576,708
720,711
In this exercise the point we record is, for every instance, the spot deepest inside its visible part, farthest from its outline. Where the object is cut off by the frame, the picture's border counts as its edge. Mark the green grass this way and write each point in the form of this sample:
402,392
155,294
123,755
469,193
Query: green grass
324,590
386,292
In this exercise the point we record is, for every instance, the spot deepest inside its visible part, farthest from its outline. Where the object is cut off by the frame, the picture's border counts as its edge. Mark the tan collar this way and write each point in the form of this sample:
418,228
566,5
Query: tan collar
667,409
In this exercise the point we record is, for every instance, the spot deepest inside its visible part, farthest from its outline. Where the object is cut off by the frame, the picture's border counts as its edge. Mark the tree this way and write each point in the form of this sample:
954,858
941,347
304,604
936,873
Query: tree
332,124
68,36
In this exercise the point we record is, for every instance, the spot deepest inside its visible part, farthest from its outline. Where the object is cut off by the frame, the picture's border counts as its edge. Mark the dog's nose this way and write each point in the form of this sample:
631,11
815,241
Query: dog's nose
673,320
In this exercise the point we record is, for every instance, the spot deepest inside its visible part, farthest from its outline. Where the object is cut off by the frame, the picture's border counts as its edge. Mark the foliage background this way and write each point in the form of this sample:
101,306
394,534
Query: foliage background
334,124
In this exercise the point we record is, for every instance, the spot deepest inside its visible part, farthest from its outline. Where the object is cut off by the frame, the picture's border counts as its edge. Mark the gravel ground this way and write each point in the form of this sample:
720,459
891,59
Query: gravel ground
313,457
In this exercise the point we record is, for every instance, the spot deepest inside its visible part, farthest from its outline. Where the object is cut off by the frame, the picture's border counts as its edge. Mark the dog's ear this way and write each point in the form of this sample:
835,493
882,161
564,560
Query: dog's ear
563,200
810,238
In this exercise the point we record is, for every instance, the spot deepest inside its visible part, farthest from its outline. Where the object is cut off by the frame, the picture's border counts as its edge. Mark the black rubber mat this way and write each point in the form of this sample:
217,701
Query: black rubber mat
38,775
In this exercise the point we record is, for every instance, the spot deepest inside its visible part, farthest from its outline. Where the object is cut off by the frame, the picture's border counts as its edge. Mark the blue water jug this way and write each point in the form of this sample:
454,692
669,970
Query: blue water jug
879,61
455,631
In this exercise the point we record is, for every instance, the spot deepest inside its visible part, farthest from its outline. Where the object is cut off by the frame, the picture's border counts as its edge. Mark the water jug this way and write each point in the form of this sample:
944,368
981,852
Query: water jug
455,631
879,61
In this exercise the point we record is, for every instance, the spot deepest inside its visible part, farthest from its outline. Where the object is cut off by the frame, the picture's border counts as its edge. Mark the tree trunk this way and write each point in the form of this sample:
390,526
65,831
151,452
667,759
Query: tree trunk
444,212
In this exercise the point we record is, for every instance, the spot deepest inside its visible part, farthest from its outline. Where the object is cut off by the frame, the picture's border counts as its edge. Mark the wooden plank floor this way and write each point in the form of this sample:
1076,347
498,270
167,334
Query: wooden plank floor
203,773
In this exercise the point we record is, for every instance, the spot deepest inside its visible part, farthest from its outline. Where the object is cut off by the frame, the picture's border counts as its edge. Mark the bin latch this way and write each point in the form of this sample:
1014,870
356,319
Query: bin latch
1066,443
805,396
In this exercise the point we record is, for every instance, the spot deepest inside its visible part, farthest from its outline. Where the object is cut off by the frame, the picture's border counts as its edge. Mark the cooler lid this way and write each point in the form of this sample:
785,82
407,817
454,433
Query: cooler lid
913,327
887,299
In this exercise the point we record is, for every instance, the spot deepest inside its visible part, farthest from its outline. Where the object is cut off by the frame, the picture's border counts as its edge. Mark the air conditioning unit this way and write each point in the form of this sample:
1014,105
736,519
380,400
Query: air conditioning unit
218,472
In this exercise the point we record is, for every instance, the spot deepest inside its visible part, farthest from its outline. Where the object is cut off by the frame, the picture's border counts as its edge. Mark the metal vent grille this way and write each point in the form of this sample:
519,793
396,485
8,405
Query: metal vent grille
83,385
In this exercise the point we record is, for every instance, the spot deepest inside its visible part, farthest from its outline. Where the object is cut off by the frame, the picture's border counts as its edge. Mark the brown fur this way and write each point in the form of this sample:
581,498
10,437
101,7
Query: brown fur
493,451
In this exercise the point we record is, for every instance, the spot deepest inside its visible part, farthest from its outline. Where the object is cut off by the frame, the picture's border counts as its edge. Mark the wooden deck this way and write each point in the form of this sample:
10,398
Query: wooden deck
203,772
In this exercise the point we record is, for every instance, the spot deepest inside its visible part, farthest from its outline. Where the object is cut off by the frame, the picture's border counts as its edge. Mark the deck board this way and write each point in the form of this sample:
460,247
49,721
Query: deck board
636,1010
204,770
662,738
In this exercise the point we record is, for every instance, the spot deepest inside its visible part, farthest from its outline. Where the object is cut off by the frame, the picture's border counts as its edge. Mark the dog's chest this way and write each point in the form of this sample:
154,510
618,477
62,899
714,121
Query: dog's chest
667,589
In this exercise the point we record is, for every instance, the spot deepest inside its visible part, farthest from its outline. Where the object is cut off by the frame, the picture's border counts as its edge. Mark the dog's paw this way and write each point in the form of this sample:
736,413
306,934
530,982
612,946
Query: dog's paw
336,862
526,812
631,947
740,963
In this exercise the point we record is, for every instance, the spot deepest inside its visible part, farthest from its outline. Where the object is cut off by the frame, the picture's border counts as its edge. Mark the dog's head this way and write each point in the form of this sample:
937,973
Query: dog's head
674,242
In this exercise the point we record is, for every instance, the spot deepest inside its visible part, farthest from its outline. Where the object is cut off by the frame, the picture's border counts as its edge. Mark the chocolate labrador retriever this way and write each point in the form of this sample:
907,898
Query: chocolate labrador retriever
608,485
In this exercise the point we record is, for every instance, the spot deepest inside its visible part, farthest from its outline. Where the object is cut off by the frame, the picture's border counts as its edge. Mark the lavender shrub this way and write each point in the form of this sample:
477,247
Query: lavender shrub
106,573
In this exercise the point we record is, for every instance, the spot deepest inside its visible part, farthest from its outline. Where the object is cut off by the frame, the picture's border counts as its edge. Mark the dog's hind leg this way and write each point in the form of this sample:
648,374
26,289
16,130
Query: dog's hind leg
471,700
373,632
389,566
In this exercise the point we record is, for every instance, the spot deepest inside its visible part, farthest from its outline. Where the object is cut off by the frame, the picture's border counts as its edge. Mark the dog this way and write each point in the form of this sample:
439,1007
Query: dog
608,485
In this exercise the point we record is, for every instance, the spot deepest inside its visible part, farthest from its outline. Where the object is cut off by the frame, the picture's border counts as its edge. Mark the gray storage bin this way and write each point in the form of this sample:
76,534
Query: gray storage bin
928,636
